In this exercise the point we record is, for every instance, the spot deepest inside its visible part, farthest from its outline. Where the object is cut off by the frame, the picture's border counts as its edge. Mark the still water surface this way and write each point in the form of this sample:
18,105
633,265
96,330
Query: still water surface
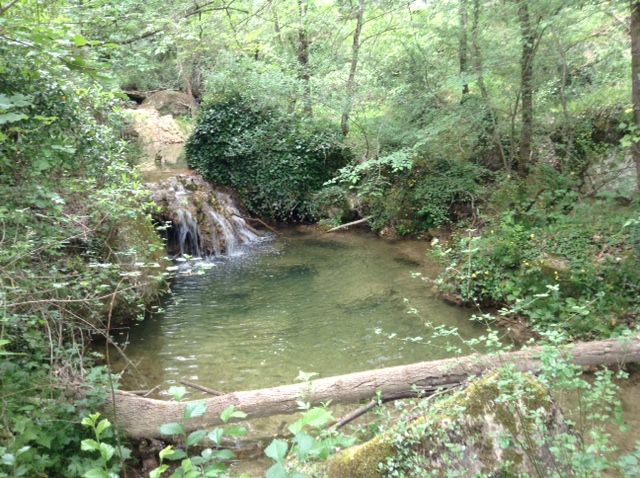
323,303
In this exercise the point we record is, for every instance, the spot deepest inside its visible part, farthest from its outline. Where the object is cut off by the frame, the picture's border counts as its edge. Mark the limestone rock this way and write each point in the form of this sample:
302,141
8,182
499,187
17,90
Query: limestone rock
474,431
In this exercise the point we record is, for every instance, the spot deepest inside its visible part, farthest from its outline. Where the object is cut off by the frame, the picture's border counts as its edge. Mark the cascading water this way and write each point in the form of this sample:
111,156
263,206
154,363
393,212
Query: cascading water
201,221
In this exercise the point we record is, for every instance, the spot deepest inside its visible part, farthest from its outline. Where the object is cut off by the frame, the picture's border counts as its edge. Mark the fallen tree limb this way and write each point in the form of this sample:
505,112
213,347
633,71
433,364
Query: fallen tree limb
141,417
358,412
352,223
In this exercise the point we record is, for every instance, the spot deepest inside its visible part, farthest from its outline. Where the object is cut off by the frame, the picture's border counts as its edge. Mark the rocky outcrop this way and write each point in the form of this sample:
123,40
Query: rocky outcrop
201,221
498,426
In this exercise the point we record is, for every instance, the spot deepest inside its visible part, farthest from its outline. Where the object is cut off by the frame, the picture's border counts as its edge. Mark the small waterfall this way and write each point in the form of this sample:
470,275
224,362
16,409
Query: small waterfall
202,221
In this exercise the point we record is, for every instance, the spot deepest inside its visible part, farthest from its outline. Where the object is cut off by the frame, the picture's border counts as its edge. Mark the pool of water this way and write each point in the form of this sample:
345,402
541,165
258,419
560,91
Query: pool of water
322,303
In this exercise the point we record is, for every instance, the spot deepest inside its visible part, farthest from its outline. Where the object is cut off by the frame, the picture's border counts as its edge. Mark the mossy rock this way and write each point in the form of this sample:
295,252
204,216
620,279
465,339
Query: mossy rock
362,461
474,432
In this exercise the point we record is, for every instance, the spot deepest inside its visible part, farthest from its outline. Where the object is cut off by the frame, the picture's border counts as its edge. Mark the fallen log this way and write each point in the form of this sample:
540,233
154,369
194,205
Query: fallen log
140,417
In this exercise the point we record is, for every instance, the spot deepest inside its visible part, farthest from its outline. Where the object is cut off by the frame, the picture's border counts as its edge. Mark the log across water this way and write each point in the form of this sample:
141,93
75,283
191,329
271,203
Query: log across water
140,417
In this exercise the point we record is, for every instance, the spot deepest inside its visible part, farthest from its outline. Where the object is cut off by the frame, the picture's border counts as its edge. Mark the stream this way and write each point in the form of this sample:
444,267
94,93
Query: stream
321,303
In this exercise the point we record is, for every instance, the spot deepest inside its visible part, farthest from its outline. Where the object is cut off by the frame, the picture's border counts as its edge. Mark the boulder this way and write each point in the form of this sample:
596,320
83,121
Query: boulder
475,431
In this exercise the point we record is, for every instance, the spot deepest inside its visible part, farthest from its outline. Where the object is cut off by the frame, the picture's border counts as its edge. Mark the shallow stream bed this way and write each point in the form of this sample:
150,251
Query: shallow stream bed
323,303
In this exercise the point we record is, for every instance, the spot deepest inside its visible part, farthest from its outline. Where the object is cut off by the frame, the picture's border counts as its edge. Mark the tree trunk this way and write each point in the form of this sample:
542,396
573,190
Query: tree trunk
477,59
141,417
355,52
635,81
463,48
526,86
303,57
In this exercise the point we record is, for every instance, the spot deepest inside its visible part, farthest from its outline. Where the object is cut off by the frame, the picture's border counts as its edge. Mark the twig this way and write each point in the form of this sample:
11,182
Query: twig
210,391
7,6
358,412
151,390
352,223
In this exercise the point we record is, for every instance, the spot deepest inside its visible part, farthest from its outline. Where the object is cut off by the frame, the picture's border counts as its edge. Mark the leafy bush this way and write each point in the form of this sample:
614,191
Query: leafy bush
274,160
77,247
411,192
553,262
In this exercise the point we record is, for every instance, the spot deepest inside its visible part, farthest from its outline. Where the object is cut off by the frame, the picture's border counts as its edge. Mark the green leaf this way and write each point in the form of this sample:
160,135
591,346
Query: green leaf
96,473
235,431
166,452
157,472
106,451
276,471
79,40
305,376
306,443
89,445
14,101
12,117
216,435
277,450
172,429
176,455
194,410
196,437
90,420
224,455
231,412
177,393
102,426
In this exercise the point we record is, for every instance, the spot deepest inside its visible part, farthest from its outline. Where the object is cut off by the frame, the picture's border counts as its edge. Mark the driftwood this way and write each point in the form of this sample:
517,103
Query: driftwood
352,223
141,417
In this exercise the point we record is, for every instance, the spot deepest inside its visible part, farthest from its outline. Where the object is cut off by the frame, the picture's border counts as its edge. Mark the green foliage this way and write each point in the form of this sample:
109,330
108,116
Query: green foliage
311,442
274,160
411,192
106,465
212,459
77,249
551,261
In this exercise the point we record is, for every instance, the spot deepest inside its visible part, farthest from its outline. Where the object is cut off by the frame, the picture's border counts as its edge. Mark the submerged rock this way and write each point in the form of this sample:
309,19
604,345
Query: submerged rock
497,426
203,221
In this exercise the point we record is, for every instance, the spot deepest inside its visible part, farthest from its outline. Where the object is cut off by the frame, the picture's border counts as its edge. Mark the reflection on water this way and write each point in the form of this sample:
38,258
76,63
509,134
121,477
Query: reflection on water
329,304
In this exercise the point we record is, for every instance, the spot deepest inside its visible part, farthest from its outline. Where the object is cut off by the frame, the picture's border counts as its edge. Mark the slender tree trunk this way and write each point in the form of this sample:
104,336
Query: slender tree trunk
303,56
463,49
355,52
140,417
567,137
635,80
526,86
477,59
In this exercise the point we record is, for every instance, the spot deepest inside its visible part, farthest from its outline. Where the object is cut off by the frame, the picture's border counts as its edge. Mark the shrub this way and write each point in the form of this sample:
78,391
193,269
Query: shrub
411,192
274,160
553,262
